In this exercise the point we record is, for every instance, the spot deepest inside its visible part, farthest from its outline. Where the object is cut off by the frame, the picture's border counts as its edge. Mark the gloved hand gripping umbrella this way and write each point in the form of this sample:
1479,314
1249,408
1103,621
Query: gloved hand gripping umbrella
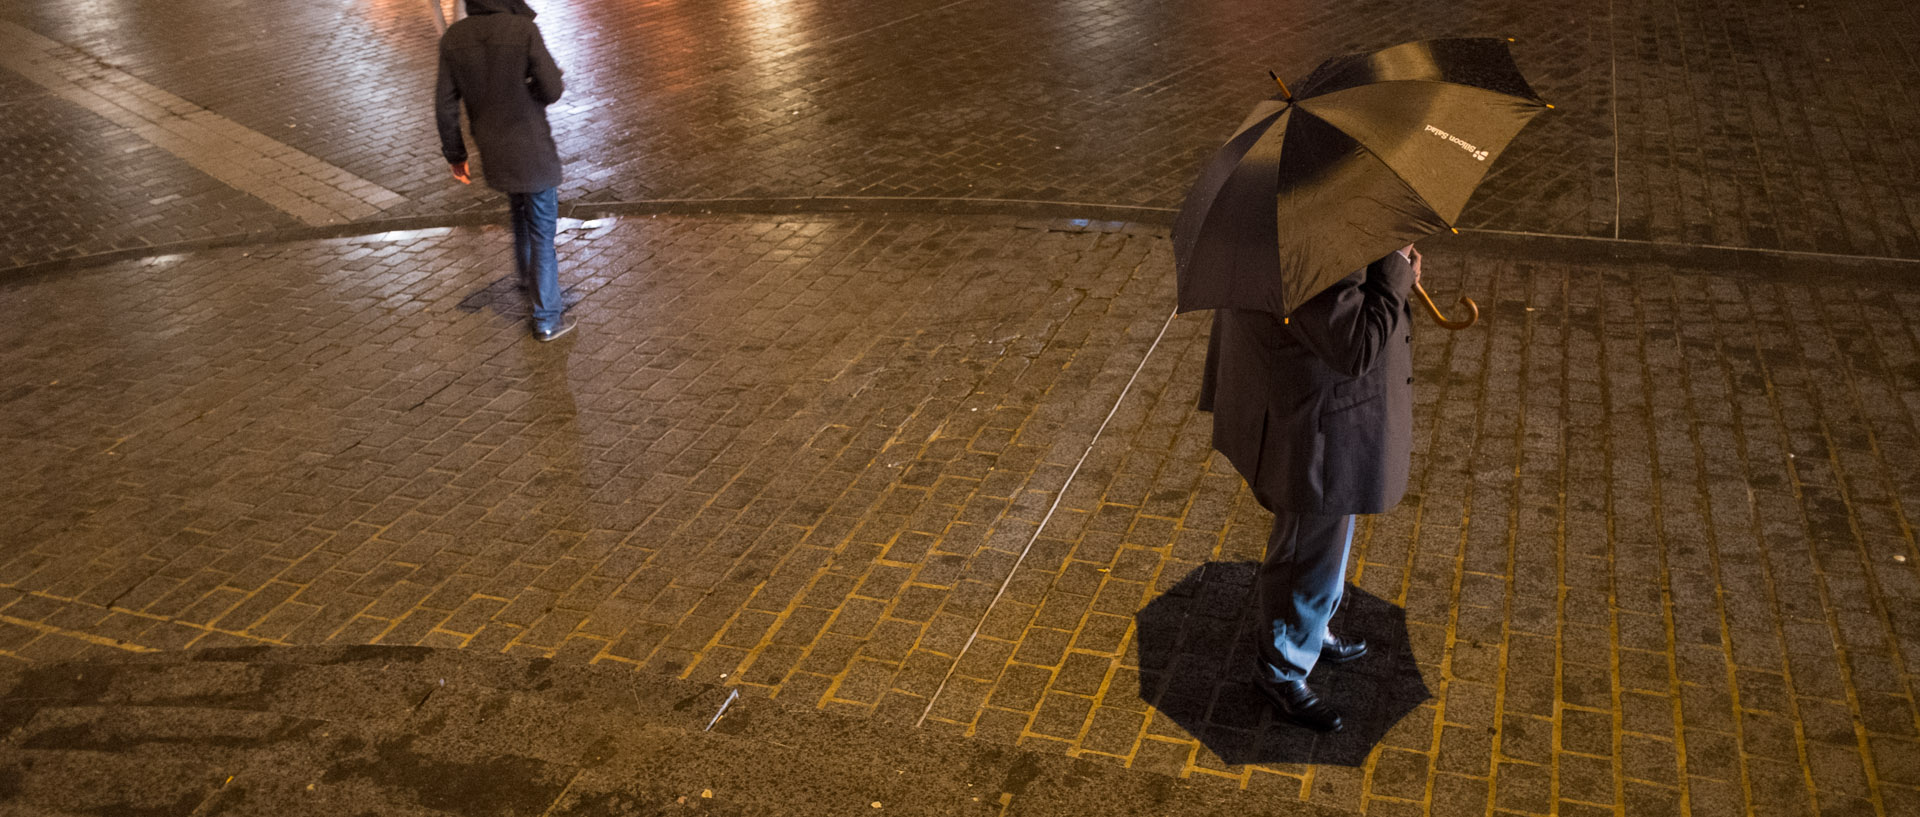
1378,150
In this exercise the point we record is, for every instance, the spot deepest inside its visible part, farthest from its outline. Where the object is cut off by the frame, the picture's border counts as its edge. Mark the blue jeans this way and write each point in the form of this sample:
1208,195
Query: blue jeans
534,215
1298,587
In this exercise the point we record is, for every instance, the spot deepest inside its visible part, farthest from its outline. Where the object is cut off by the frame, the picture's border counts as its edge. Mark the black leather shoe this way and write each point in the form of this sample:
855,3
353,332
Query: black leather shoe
1295,703
1337,650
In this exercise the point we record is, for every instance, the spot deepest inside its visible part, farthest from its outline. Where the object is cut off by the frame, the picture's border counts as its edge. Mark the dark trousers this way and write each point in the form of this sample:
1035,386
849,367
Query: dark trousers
534,219
1298,587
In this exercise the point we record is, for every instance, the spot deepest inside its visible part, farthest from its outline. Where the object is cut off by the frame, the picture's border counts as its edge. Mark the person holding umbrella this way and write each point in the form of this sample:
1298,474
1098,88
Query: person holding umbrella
1299,235
496,62
1317,410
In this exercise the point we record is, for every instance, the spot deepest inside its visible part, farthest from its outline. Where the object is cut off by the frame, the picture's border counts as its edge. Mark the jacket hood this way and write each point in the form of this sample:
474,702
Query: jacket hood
476,8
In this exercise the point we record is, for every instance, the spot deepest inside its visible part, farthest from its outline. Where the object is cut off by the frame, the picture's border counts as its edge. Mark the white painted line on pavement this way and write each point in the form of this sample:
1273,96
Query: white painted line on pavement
731,695
1057,497
294,182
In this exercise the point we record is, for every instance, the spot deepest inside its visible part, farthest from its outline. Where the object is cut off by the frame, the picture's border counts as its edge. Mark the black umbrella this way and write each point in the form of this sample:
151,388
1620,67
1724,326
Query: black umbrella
1378,150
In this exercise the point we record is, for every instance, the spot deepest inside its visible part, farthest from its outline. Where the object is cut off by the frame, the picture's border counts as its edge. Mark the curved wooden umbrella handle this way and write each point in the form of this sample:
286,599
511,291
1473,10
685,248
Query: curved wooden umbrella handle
1473,311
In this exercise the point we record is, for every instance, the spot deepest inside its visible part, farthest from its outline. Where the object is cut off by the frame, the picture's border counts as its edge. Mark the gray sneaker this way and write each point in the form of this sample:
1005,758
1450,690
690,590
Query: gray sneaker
566,325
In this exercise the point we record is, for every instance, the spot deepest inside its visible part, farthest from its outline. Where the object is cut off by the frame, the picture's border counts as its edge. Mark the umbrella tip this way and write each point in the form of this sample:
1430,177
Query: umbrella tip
1283,86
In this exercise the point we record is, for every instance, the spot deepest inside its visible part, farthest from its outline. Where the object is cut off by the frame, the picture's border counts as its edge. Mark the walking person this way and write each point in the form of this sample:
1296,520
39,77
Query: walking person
495,61
1316,411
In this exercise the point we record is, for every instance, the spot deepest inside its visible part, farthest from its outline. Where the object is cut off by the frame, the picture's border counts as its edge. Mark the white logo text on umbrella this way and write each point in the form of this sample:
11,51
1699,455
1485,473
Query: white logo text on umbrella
1478,154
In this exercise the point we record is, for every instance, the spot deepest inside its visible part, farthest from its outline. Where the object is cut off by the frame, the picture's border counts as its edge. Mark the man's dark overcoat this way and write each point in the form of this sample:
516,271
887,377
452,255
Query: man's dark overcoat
496,62
1316,412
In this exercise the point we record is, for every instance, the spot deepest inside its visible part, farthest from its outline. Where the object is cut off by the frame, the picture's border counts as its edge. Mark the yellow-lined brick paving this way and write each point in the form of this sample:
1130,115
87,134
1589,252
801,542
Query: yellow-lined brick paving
803,455
1659,554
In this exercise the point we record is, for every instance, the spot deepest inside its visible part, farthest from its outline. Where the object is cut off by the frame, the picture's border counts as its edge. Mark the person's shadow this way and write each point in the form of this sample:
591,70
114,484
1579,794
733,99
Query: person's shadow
505,297
1197,650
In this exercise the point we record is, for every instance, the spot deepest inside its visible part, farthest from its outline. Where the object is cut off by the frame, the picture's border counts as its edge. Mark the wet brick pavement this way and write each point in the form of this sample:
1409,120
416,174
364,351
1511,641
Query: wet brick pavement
1716,124
943,471
415,732
946,471
66,161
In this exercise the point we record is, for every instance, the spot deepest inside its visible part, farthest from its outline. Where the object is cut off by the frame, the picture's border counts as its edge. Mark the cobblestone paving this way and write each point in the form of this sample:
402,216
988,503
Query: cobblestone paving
65,160
1719,123
1658,556
1659,553
307,188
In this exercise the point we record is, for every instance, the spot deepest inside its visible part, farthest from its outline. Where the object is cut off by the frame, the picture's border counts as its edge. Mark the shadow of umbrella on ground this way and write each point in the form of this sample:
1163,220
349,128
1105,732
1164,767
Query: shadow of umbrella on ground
1196,648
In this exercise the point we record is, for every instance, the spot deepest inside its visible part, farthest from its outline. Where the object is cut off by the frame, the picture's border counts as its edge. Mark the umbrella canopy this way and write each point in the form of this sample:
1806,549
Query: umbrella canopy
1376,151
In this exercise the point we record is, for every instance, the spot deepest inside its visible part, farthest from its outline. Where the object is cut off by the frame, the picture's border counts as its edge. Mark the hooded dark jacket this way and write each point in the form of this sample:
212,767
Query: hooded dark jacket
496,62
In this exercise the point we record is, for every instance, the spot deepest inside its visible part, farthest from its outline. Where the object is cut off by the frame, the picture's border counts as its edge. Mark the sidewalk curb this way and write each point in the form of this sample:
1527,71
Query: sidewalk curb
1770,264
588,210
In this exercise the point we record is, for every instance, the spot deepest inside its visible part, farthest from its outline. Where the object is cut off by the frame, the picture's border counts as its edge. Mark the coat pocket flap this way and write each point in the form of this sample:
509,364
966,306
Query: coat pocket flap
1352,393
